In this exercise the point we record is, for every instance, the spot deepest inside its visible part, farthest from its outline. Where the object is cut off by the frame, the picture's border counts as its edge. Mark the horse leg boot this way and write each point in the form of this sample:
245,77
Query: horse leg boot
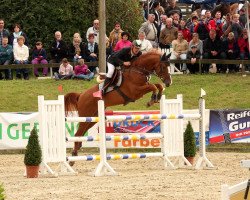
106,85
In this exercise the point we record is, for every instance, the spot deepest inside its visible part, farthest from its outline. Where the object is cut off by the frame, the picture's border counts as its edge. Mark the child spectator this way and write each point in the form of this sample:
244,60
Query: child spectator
65,70
39,57
193,55
21,56
82,72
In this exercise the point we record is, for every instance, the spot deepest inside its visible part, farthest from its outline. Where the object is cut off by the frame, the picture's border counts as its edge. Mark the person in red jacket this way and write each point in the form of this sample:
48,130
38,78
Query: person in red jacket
217,24
244,46
185,31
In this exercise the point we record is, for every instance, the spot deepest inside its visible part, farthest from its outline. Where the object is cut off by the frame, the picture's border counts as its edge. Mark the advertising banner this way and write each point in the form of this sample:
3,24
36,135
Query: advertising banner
15,129
228,126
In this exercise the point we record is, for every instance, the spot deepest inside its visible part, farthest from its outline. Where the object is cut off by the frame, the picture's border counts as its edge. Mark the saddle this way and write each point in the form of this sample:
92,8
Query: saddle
116,81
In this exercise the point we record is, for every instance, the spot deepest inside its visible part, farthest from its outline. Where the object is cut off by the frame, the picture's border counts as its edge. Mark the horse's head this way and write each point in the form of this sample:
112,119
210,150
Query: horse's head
162,70
152,63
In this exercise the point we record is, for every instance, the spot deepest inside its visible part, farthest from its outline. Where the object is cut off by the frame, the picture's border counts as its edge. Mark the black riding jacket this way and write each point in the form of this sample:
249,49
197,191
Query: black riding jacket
124,55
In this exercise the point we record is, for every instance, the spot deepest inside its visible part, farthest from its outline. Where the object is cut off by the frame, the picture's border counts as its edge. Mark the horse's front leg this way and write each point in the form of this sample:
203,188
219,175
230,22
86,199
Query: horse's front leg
148,88
160,88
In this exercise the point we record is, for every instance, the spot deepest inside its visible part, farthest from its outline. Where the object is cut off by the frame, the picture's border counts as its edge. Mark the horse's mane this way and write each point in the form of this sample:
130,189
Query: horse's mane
141,60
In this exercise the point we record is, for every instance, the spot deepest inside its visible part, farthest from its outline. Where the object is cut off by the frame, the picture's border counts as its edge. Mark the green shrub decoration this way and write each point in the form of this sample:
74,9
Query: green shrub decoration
189,141
33,152
2,195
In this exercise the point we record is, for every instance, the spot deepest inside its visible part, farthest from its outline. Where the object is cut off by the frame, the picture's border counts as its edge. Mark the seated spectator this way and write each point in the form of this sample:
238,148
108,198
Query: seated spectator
180,48
197,42
91,51
3,32
212,49
58,49
115,35
16,33
146,45
193,24
81,71
39,56
231,48
124,42
65,70
185,31
21,56
193,55
6,54
76,48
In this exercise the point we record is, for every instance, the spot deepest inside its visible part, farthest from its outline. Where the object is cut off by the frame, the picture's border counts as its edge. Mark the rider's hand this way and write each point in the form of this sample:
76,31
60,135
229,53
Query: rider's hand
126,63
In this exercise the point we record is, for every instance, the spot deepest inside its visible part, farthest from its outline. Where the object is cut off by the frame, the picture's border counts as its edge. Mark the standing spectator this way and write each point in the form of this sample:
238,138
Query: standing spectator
172,8
185,31
193,55
176,19
21,56
208,16
168,34
58,49
217,24
65,70
91,50
115,35
146,46
243,19
94,30
16,33
76,48
180,48
244,45
3,32
202,28
81,71
39,56
227,27
150,29
196,42
236,27
156,7
124,42
6,54
212,49
231,48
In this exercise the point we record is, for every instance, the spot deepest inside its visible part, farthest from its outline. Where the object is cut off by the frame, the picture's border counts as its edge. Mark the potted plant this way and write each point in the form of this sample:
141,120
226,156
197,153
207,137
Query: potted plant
189,143
33,155
2,195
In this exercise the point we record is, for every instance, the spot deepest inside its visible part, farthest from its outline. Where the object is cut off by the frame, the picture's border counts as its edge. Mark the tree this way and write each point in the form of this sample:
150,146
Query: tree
189,141
40,19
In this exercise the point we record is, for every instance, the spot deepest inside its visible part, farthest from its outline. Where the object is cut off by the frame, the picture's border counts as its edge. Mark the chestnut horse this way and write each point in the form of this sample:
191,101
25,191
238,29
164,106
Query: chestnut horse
134,85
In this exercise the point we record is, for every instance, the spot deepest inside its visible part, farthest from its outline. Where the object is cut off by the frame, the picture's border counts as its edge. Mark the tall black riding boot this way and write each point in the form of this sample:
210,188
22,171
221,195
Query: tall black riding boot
105,85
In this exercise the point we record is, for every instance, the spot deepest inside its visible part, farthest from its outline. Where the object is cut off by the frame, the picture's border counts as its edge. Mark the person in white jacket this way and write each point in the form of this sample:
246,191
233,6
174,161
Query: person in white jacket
146,45
21,56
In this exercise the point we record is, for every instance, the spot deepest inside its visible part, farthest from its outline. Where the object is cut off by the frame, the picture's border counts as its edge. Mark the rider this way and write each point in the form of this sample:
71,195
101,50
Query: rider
121,58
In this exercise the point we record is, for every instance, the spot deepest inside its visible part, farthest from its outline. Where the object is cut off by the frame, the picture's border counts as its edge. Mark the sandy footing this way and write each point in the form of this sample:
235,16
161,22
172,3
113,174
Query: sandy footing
137,179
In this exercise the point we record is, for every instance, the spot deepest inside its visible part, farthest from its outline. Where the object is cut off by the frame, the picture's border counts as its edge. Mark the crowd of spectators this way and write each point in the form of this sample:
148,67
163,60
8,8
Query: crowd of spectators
200,36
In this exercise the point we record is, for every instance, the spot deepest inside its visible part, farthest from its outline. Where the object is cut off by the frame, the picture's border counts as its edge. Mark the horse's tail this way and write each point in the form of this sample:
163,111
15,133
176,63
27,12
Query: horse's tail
70,101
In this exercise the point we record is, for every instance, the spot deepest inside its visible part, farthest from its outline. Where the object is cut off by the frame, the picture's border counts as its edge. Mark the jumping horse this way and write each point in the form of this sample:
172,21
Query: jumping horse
135,84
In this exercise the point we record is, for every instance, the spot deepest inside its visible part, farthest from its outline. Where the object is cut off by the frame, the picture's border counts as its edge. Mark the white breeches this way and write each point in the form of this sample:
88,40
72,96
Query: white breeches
111,69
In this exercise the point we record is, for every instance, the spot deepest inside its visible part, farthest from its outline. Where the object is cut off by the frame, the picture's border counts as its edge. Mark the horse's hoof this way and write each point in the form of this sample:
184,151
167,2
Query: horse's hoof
74,153
149,104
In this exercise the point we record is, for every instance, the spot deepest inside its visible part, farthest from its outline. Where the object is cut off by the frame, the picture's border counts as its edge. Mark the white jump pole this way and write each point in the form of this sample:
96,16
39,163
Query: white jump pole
103,167
203,160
